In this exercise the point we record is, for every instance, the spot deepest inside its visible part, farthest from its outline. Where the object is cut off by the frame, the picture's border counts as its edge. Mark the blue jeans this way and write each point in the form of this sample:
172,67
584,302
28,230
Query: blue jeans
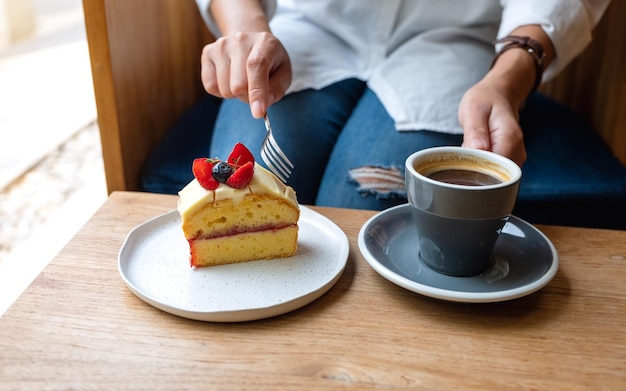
333,136
347,153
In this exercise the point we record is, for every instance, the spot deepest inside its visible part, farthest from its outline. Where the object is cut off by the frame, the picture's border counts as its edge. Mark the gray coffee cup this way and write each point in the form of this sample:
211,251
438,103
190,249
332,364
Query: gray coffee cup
461,199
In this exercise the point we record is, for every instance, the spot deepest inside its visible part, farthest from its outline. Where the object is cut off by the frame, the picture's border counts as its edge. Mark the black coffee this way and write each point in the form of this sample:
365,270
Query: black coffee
464,177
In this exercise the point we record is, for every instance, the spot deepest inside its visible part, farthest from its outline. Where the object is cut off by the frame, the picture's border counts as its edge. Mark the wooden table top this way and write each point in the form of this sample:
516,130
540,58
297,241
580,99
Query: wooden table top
79,327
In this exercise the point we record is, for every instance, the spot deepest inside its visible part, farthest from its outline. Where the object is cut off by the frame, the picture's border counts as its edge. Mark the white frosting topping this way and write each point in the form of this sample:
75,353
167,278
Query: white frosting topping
193,196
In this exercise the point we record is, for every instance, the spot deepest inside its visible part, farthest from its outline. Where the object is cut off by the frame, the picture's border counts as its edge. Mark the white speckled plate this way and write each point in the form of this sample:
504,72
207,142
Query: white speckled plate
154,263
525,260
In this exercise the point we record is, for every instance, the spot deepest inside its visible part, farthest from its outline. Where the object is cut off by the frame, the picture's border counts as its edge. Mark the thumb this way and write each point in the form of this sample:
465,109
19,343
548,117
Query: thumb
261,100
477,139
475,126
258,90
258,98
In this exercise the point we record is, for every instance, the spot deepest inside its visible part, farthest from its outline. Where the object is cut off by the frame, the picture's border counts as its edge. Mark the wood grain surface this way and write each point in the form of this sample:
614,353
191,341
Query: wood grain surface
79,327
145,62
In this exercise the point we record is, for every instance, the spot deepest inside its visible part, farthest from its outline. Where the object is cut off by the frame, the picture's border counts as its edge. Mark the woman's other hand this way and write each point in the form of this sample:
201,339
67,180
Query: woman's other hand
489,111
491,122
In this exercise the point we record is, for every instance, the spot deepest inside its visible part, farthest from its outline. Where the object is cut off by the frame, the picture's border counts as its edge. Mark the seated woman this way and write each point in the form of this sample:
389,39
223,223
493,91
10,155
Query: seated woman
354,87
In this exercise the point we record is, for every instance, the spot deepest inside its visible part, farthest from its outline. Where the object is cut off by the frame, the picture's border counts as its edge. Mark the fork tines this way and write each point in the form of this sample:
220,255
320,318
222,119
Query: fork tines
273,156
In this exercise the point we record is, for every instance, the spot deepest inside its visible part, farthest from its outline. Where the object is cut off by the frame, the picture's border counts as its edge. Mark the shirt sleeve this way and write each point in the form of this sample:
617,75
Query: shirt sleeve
269,6
568,23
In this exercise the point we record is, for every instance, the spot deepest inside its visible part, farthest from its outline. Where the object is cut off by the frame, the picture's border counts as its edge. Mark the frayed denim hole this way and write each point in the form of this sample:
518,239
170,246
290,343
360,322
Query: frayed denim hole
381,182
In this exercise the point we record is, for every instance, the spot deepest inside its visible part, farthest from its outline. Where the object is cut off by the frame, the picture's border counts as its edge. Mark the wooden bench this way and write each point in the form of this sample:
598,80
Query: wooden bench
146,73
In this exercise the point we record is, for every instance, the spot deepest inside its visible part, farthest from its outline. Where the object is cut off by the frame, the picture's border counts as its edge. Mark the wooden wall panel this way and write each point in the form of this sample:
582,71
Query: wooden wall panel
595,83
145,57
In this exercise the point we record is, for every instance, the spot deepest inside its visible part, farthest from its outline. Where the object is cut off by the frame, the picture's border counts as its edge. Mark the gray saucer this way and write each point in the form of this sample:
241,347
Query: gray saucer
524,260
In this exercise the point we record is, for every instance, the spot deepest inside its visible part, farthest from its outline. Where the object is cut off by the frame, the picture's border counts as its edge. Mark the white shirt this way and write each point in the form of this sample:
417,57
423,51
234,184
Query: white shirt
418,56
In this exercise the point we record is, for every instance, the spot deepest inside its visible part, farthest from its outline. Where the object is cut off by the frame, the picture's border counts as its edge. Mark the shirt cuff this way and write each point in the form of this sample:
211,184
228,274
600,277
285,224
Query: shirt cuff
568,26
269,6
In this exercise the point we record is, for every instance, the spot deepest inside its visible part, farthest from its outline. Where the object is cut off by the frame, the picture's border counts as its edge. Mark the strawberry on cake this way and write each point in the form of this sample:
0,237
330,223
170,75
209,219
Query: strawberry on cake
237,211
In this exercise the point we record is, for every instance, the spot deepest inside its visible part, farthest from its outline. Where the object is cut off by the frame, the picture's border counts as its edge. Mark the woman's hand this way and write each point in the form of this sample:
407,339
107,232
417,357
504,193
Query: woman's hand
489,111
251,66
247,62
491,122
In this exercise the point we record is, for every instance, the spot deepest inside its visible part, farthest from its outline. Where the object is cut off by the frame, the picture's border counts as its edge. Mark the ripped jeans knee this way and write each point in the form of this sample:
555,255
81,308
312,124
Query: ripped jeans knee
382,182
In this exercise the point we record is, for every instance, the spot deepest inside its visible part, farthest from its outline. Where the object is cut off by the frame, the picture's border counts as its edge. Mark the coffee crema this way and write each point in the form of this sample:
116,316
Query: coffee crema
464,177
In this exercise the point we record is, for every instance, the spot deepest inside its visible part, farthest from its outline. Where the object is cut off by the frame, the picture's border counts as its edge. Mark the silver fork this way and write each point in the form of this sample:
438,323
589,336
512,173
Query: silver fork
273,156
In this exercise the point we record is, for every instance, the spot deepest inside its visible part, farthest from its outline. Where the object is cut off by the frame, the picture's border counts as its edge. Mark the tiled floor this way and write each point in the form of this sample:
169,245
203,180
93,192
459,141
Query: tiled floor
51,173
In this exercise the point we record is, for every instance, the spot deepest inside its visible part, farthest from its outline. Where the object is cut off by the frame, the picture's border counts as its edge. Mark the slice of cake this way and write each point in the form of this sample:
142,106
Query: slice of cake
237,211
